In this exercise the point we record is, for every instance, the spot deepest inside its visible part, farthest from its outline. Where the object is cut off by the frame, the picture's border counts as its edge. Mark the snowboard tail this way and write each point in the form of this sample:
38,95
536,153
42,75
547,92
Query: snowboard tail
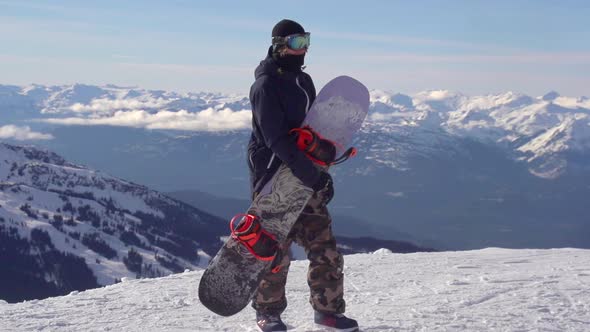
228,287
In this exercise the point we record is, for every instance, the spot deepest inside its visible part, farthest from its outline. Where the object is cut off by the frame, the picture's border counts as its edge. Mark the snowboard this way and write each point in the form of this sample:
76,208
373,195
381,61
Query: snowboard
233,275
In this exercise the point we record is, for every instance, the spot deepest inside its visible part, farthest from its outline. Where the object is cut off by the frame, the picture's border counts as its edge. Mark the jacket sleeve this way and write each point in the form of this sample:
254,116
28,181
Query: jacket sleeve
270,118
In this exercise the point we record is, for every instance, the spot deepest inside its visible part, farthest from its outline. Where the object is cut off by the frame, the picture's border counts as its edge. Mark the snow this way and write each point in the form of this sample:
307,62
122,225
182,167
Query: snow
41,180
484,290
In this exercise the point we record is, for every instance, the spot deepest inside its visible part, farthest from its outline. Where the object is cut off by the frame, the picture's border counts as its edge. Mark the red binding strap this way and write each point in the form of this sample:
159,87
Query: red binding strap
309,141
249,233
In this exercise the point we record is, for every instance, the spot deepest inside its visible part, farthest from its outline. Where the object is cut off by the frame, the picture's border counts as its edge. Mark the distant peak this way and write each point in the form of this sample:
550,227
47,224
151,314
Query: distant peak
392,98
550,96
401,99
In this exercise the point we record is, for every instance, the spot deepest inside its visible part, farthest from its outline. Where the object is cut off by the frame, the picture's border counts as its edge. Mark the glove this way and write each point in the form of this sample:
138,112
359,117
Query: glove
324,187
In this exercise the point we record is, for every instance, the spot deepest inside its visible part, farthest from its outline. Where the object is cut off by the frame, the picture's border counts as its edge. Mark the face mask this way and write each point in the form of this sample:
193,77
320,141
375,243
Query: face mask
290,62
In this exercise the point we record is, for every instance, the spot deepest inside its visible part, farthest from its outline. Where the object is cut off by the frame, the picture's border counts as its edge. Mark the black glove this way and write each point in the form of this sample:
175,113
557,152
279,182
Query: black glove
324,187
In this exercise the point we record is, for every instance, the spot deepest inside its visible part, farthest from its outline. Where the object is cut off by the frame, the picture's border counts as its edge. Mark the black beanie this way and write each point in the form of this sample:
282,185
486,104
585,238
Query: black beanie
286,27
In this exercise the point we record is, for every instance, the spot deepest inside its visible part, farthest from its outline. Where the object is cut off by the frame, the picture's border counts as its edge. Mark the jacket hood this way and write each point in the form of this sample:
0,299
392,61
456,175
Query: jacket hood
267,66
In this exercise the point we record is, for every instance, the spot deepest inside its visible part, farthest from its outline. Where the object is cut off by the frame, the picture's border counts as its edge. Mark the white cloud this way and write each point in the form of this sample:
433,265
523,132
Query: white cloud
188,68
438,94
398,194
399,39
544,58
206,120
124,57
22,133
110,105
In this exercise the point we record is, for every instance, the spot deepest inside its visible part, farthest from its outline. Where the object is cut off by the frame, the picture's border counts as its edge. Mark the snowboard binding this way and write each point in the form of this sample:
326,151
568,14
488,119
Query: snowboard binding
249,232
320,150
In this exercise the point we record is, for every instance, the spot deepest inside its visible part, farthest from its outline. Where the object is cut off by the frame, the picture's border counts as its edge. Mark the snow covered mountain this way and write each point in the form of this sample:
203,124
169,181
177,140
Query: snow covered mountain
64,227
445,169
484,290
549,133
540,131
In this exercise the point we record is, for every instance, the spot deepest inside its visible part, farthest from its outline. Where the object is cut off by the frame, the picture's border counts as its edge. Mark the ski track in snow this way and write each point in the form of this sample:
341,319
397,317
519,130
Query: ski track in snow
483,290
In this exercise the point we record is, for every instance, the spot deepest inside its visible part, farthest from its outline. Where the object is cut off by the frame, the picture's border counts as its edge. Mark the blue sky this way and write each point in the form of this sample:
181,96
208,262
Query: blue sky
470,46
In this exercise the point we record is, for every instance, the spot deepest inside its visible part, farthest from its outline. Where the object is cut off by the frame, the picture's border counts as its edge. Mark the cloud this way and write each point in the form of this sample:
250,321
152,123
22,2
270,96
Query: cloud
395,194
206,120
25,5
110,105
187,68
438,94
124,57
22,133
399,39
484,59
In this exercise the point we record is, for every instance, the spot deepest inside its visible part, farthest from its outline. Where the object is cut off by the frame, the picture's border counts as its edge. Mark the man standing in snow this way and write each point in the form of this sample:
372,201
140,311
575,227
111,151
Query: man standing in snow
280,97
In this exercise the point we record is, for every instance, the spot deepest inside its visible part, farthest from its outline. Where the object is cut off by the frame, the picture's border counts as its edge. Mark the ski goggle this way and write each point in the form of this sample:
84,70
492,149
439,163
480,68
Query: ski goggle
295,42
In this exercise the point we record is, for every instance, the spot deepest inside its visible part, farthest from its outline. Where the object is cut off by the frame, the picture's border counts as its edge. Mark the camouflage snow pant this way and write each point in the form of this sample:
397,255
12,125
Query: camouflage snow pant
312,231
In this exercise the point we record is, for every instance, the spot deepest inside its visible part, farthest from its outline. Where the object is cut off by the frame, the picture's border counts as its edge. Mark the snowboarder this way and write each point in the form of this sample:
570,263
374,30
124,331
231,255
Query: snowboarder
280,98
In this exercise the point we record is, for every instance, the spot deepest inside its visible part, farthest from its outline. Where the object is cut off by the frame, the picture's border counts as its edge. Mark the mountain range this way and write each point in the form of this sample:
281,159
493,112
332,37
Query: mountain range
437,168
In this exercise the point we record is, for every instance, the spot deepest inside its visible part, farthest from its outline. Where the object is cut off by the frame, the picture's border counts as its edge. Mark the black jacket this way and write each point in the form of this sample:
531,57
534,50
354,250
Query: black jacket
280,99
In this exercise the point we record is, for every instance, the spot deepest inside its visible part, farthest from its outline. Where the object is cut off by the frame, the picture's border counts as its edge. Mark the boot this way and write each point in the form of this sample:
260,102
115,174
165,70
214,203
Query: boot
335,322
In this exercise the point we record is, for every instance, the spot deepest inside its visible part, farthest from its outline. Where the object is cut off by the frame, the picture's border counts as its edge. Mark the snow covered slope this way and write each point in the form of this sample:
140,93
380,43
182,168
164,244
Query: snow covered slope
484,290
65,227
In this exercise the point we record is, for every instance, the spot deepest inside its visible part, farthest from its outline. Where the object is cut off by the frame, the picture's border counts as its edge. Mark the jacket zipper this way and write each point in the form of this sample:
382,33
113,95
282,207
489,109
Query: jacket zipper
306,95
272,158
